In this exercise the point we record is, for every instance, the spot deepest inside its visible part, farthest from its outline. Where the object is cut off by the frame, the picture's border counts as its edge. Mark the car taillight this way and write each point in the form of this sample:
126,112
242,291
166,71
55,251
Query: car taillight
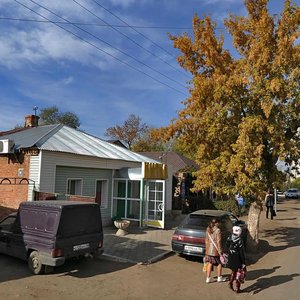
57,252
100,244
175,237
188,239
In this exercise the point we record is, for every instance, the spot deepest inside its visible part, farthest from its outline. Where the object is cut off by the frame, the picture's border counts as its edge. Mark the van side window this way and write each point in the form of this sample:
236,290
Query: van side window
8,223
51,222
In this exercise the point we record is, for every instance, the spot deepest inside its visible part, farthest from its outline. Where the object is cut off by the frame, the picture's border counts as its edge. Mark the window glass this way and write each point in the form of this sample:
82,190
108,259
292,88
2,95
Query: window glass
133,209
120,188
8,223
196,220
74,187
159,186
133,189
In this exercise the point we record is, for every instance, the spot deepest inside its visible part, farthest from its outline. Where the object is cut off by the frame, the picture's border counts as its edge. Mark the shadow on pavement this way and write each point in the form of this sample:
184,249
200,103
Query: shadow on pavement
254,274
284,237
13,269
287,235
90,267
133,250
265,283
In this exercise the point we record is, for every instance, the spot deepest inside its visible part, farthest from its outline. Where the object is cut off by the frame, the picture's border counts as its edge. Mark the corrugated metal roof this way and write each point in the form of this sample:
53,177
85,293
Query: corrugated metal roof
177,161
61,138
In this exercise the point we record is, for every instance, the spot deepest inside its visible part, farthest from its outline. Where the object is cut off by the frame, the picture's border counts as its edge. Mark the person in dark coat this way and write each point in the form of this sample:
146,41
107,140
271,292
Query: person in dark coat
269,203
236,257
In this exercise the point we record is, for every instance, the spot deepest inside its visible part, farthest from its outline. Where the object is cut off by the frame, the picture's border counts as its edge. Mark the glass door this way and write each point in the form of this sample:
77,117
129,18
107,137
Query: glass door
155,203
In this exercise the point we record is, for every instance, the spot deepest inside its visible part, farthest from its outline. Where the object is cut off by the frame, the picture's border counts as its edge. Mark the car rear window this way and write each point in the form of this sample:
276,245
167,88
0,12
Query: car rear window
197,220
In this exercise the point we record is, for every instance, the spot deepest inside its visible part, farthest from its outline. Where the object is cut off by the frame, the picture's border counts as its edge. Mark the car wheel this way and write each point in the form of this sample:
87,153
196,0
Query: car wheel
34,263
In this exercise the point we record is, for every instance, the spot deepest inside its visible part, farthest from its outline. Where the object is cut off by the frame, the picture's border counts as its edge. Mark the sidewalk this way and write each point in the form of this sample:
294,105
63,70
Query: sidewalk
140,245
272,272
147,245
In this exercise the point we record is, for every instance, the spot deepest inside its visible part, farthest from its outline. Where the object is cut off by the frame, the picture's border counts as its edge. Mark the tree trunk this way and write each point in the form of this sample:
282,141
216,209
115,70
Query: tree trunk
253,226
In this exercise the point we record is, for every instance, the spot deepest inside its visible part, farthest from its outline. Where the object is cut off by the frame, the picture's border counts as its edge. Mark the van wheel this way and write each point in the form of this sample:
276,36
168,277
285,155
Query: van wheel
34,263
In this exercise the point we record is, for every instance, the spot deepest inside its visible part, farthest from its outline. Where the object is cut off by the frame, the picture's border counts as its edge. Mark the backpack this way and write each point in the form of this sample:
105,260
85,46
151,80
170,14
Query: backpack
269,200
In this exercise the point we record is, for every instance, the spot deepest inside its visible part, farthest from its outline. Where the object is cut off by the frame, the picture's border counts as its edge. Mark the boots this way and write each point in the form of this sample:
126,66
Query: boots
238,287
232,277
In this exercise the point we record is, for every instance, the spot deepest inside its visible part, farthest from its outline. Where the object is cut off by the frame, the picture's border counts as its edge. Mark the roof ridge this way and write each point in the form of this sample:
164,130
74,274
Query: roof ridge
11,131
45,137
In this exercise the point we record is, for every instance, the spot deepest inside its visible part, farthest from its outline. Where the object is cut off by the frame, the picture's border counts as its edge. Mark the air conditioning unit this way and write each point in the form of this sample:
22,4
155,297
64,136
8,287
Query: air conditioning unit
7,146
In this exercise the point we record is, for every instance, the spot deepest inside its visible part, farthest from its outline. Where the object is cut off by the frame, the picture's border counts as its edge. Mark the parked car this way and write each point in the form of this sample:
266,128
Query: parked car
292,193
189,237
46,233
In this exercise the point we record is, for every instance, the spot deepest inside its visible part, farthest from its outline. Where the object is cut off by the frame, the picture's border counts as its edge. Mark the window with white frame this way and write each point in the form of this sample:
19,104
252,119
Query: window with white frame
101,193
74,187
127,198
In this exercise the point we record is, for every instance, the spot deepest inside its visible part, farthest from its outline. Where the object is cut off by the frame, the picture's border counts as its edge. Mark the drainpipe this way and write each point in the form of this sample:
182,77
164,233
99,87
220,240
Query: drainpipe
143,203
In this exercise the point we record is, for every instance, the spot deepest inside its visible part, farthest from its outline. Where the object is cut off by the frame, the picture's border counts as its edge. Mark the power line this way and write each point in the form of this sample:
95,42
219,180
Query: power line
129,38
110,45
97,24
101,50
124,22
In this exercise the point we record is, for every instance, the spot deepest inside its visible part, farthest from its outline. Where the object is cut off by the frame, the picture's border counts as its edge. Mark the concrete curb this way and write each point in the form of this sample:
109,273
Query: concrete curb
125,260
157,258
118,259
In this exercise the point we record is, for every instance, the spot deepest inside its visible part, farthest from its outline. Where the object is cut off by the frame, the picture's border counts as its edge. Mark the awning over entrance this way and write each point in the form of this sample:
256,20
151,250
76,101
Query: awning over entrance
148,171
154,170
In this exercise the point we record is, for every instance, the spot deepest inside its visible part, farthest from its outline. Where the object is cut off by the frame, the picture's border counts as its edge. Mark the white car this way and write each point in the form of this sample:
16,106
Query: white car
292,193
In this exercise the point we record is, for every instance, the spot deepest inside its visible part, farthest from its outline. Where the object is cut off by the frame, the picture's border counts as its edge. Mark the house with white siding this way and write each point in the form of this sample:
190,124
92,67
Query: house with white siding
57,161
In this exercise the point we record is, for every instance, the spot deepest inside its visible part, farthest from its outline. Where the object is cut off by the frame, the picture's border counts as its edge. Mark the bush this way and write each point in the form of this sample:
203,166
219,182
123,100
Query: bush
228,205
197,202
202,202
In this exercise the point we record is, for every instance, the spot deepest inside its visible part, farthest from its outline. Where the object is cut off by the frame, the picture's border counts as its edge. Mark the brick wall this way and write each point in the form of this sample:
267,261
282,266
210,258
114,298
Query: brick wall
12,194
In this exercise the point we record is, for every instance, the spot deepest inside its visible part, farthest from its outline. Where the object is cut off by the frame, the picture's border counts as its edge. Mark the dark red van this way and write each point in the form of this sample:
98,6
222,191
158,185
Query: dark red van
46,233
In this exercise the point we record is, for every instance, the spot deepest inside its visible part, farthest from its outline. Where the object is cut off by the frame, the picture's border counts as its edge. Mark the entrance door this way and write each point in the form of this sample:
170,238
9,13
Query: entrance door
155,200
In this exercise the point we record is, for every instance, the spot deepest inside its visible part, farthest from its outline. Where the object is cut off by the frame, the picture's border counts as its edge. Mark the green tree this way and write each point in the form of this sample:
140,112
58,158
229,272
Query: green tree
148,143
51,115
130,132
243,111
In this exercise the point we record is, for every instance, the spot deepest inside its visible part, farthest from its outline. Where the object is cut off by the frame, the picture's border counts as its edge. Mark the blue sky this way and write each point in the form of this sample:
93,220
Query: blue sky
100,74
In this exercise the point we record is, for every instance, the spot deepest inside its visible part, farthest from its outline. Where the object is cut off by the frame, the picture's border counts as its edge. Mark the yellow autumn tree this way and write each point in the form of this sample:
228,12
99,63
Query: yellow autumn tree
243,112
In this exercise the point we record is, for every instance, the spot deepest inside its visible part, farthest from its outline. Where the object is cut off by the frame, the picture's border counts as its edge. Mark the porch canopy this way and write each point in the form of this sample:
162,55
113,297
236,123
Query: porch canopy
149,170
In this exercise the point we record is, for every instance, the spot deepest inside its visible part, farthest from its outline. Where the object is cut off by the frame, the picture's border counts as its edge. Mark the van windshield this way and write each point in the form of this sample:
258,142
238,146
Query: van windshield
76,220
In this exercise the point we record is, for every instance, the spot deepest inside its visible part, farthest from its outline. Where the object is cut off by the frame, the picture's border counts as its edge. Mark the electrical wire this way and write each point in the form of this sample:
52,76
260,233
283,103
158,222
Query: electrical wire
124,22
97,24
129,38
101,50
110,45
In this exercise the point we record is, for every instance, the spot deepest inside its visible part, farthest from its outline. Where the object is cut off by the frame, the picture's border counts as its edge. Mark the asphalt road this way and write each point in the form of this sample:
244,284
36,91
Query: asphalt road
273,273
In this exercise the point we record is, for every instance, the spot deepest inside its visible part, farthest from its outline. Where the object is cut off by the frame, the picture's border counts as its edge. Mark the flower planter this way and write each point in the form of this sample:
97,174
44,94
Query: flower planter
121,225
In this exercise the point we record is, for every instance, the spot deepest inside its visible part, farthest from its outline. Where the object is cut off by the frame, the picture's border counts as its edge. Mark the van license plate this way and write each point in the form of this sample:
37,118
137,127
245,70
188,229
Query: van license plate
80,247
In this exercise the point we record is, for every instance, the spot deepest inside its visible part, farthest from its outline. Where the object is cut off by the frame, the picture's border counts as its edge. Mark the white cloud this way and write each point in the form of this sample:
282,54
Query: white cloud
127,3
37,46
68,80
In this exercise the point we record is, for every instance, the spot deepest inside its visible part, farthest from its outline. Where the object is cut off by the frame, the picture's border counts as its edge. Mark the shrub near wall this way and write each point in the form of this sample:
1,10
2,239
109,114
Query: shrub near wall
228,205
